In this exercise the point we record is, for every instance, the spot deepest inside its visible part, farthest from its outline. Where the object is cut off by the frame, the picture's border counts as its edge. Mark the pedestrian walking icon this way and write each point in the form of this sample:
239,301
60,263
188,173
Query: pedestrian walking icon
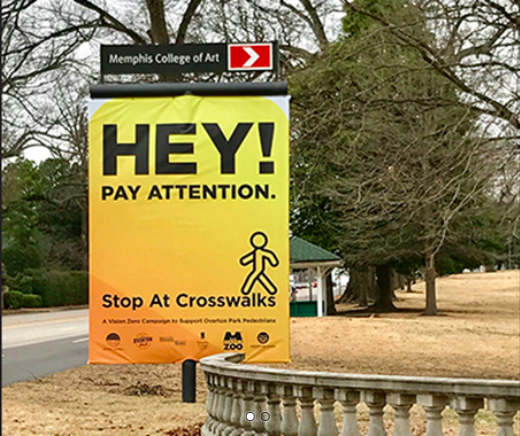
259,257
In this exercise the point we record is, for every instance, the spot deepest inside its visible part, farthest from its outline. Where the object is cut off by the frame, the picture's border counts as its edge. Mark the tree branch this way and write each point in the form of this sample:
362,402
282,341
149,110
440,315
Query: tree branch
317,26
186,20
431,57
158,31
116,24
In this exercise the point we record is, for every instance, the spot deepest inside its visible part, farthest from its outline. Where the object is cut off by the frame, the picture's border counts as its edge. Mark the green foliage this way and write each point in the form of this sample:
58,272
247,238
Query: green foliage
311,220
450,263
478,237
43,207
21,282
61,288
13,299
43,229
31,300
385,143
356,24
21,239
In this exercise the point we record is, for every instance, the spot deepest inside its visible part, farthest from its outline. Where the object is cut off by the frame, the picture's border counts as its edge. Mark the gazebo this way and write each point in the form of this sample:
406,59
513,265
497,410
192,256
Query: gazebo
305,255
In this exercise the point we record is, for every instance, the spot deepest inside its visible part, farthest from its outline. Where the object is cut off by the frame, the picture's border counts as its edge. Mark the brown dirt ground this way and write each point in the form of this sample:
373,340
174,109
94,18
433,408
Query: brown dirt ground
476,336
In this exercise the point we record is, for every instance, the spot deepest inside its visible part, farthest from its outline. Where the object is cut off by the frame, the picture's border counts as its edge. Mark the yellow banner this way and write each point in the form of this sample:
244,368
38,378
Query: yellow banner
189,244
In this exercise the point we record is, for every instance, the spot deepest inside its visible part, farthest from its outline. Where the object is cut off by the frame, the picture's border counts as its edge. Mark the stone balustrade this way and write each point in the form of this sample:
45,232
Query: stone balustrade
290,398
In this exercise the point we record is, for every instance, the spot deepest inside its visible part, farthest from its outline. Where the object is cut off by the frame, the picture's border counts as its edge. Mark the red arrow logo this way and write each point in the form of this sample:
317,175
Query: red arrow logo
243,57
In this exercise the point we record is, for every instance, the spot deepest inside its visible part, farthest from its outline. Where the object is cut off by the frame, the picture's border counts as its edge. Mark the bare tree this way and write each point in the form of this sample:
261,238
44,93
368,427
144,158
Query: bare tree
46,41
477,48
38,45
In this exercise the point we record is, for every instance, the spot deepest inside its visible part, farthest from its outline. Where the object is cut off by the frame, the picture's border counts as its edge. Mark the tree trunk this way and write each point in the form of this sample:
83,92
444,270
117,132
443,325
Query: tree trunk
372,285
394,282
359,288
383,301
431,274
363,286
158,31
349,290
394,279
329,295
409,282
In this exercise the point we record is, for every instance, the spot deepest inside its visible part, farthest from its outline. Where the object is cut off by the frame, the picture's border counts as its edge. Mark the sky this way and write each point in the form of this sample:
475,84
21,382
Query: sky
37,154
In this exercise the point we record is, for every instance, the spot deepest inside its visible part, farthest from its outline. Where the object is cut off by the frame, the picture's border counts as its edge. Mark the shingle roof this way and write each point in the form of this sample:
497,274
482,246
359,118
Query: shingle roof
304,251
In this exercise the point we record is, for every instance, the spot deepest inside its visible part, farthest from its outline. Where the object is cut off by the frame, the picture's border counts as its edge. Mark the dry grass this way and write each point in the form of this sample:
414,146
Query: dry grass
477,336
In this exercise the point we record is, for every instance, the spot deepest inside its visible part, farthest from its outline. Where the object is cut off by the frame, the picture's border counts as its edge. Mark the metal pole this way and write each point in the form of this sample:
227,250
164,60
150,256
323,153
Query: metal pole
188,381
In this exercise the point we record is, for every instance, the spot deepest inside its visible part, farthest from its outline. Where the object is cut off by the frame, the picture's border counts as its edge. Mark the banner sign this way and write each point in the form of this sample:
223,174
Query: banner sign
189,243
188,58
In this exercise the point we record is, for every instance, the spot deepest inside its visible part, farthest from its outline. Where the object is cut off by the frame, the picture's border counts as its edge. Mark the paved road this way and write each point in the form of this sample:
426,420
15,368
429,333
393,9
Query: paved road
39,344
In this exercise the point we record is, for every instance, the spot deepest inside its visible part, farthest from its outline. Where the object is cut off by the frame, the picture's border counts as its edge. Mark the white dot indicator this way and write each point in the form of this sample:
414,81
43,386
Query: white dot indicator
250,416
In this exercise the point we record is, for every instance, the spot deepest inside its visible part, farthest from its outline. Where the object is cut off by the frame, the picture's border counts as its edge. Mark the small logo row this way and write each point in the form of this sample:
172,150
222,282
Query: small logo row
232,341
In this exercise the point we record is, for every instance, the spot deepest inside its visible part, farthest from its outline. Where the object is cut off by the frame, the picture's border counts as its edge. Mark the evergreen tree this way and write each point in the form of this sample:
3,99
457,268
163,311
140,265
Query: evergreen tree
386,142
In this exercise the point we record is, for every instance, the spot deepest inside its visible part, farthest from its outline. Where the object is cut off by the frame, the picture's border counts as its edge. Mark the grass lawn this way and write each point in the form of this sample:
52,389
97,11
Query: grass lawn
477,336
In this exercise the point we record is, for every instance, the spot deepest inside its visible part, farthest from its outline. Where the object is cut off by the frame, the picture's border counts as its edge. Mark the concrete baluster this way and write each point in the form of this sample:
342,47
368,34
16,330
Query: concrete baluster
204,428
401,405
376,402
216,396
467,408
247,388
259,406
236,410
234,390
213,398
274,425
228,408
326,399
505,410
290,417
210,401
349,400
220,406
220,399
433,405
307,421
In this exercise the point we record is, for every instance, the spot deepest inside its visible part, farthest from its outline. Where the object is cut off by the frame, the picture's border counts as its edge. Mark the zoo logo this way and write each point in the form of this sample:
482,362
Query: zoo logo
143,341
113,340
262,338
233,342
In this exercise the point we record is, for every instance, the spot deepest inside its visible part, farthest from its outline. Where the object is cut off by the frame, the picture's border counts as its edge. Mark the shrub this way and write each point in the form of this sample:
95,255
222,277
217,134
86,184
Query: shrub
13,299
31,300
23,282
61,288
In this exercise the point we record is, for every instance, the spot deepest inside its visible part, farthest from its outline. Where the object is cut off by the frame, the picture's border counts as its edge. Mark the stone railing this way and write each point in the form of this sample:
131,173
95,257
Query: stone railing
234,389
